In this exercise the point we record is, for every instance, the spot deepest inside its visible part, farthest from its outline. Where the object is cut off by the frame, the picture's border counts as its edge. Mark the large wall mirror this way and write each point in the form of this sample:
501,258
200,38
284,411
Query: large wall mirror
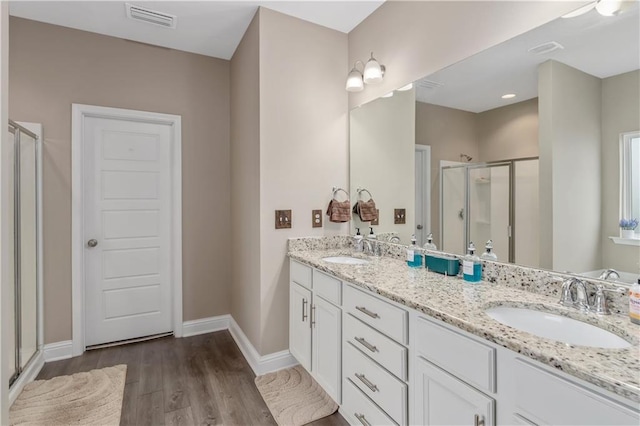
529,144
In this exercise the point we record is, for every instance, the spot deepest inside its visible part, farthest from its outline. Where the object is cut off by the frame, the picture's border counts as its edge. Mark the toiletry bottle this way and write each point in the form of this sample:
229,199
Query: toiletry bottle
429,244
634,303
471,266
372,235
357,241
488,253
414,258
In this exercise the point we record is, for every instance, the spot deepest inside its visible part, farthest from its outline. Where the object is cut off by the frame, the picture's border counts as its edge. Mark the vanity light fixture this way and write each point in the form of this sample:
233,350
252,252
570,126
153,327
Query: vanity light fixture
604,8
508,96
372,73
405,88
388,95
354,79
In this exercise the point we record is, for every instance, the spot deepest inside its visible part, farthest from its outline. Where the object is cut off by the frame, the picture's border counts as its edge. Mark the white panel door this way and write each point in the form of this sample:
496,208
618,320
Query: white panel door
300,324
326,320
441,399
127,228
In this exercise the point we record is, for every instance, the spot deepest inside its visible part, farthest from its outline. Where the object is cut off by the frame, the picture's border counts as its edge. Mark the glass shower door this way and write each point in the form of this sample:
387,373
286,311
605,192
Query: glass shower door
489,206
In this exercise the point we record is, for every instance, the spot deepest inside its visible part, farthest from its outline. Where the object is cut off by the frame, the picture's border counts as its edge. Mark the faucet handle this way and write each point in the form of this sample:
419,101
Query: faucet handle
566,299
600,300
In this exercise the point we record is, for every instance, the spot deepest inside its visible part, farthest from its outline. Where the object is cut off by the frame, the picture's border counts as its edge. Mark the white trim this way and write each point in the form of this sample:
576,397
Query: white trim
626,241
205,325
28,375
79,112
426,195
58,350
260,364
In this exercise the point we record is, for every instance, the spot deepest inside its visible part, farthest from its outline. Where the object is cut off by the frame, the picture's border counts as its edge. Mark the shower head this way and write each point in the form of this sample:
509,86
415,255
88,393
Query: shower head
465,157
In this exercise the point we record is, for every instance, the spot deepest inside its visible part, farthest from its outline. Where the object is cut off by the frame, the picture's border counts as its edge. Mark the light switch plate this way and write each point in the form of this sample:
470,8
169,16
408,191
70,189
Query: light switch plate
399,216
316,218
283,219
376,221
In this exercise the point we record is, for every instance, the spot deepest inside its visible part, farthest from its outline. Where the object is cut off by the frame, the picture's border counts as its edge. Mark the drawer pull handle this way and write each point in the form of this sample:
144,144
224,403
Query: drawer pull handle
304,309
366,381
362,419
367,312
366,344
478,420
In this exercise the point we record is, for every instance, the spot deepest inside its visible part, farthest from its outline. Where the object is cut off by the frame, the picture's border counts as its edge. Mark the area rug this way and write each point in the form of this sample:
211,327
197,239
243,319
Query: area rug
93,398
293,397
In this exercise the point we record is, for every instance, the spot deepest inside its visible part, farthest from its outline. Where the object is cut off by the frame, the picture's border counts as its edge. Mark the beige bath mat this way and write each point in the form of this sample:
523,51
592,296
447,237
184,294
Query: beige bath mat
93,398
293,397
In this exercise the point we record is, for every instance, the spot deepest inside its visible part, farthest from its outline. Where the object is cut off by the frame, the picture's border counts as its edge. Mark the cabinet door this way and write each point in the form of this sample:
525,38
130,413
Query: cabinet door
442,399
327,349
299,324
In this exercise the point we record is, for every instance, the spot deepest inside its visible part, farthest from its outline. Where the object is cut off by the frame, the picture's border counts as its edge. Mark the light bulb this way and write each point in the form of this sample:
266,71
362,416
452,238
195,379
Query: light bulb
373,71
354,81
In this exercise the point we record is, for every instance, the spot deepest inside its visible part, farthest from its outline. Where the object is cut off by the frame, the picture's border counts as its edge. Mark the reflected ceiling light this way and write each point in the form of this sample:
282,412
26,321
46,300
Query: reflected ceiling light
388,95
604,8
609,7
373,71
509,96
405,88
354,79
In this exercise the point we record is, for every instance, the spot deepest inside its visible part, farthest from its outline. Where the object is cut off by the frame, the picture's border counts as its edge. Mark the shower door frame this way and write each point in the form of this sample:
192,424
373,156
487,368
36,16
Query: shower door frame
467,202
33,366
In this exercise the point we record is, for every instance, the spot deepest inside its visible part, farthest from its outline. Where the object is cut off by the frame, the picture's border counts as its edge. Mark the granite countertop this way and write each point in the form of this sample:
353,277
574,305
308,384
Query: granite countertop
463,305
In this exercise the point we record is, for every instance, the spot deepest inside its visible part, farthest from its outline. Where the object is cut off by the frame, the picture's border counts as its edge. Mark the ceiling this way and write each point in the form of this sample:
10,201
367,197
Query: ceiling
212,28
597,45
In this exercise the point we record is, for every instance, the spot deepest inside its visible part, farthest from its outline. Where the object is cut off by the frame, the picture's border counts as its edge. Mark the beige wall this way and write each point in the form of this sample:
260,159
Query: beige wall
382,152
620,114
449,132
53,67
303,148
417,38
570,172
508,132
6,233
245,183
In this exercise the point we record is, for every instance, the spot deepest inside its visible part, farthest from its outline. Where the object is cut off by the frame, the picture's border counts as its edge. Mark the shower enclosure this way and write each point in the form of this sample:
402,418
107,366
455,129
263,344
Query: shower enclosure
23,210
495,200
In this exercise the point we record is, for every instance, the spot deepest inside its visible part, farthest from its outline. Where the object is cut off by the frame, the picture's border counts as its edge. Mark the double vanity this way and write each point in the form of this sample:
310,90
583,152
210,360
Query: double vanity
397,345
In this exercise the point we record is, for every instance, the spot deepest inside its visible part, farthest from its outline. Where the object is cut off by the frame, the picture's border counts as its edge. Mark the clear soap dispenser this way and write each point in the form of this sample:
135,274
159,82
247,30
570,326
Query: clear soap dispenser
429,244
358,246
471,266
414,258
488,253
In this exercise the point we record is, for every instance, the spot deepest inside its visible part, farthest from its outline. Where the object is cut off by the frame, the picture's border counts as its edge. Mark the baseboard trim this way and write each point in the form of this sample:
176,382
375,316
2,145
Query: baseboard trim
258,363
28,375
58,350
205,325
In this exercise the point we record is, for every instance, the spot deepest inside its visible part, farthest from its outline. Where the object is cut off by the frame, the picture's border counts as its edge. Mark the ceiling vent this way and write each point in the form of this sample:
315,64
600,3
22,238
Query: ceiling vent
428,84
546,48
149,16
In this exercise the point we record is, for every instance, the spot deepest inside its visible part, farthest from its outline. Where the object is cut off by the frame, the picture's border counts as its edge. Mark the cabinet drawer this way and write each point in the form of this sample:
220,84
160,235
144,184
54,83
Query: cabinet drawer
359,410
379,347
328,287
466,358
377,383
300,273
379,314
545,398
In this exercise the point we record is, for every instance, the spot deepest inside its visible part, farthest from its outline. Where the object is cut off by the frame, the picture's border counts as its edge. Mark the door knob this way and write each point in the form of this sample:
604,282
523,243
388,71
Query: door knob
419,226
92,243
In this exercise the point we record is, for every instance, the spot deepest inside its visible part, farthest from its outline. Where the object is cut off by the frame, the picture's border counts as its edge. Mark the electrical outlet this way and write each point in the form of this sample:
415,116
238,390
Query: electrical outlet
399,216
376,221
316,218
283,219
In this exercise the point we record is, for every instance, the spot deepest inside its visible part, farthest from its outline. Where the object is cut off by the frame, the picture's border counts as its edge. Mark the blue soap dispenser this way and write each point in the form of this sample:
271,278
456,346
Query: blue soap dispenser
414,258
471,266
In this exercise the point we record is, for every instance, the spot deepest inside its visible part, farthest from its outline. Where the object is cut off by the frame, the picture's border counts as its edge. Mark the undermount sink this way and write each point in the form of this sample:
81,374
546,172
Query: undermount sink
345,260
557,327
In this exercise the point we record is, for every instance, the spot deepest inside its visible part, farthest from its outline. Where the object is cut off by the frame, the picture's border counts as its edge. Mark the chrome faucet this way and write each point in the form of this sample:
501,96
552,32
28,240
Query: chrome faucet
394,239
609,273
371,247
581,299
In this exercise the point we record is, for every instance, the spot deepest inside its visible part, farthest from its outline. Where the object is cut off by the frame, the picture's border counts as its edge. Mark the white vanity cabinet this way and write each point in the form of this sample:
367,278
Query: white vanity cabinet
315,325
